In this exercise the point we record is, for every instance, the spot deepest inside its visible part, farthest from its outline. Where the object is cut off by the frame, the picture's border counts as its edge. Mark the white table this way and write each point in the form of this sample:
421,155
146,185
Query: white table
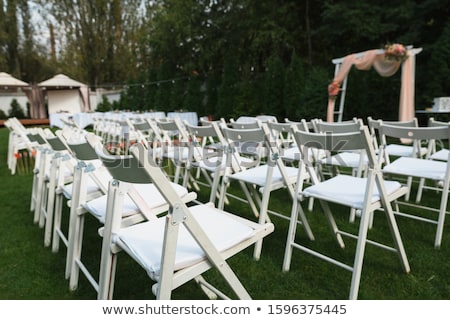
190,117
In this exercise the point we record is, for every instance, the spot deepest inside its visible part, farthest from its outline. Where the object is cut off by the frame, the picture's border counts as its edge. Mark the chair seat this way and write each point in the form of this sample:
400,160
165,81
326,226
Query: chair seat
171,152
347,190
148,192
257,175
402,150
144,241
415,167
211,164
441,155
178,153
290,154
345,159
92,187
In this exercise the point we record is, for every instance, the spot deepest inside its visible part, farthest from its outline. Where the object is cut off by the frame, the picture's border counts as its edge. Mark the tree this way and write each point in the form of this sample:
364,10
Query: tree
228,90
274,88
162,98
294,86
98,38
438,84
194,96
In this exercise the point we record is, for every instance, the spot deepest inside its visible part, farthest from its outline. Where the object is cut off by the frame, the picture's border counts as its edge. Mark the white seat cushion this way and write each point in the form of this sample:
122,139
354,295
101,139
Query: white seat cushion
103,177
257,175
345,159
415,167
148,192
144,241
212,163
441,155
402,150
347,190
92,187
290,154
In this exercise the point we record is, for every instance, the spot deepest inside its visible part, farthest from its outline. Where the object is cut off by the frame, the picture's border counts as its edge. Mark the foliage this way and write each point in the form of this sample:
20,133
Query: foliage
147,45
104,105
162,98
228,90
274,88
438,83
194,95
3,115
16,110
314,96
211,94
294,86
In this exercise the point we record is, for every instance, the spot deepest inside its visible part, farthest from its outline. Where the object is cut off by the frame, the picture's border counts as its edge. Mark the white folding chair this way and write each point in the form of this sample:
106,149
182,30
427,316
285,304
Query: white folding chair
397,148
366,194
426,170
206,154
59,174
257,178
437,149
90,181
174,144
142,202
20,140
355,160
174,248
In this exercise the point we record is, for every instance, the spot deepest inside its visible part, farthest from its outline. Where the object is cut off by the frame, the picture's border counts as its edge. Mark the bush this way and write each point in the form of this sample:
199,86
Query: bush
16,110
105,105
3,115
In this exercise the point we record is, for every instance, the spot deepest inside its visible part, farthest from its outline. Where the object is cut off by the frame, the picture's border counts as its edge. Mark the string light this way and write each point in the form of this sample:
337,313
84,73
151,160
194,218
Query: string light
142,85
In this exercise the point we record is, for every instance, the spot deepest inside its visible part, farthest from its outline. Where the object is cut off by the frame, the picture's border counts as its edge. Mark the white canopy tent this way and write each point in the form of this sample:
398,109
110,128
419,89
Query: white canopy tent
65,95
10,88
7,81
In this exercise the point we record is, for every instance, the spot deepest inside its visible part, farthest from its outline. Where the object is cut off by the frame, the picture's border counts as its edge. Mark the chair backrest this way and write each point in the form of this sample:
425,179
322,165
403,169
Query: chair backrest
282,131
246,125
374,126
338,127
248,143
143,126
56,144
122,168
266,118
172,129
209,133
334,143
418,135
415,133
435,123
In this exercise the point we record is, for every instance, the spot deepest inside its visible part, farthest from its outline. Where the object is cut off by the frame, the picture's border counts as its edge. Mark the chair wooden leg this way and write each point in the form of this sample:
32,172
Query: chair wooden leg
56,238
442,213
359,255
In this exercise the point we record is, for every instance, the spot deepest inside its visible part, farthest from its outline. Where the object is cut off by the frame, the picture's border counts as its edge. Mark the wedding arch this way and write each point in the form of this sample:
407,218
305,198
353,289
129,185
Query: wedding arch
386,62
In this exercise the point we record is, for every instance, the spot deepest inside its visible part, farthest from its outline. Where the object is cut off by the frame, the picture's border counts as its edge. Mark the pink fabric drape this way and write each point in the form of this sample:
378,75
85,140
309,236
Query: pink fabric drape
407,108
384,67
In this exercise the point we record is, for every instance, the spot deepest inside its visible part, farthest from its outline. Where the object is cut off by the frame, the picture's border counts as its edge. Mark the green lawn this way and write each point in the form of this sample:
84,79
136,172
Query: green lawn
28,270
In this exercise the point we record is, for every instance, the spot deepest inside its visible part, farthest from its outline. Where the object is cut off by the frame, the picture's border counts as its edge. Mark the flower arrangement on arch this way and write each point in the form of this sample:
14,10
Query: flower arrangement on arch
333,90
395,52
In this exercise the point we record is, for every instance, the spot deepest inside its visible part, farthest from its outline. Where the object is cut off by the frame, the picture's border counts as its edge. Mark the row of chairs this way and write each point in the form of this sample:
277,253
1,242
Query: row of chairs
266,157
272,175
139,209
